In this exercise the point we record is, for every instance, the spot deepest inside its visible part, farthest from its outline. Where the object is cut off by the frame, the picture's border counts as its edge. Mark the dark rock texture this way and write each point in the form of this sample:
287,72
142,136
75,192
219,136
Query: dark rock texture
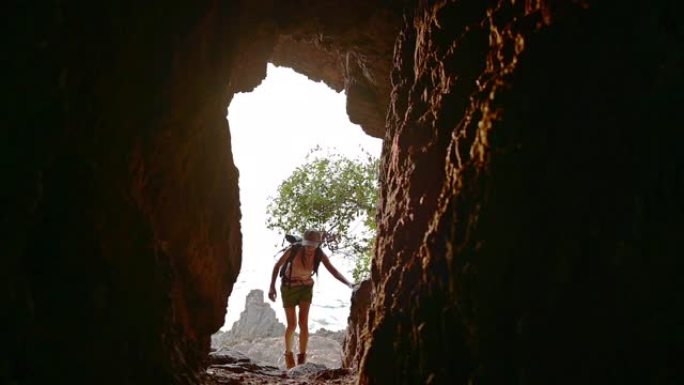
531,218
357,324
224,357
532,213
120,217
249,373
231,367
348,45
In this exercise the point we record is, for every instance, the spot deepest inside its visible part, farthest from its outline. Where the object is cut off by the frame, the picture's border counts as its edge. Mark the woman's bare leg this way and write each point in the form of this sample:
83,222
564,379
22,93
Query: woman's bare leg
303,326
291,326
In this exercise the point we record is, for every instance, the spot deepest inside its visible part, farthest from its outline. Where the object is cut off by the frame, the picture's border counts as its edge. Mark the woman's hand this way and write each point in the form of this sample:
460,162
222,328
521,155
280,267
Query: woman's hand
272,294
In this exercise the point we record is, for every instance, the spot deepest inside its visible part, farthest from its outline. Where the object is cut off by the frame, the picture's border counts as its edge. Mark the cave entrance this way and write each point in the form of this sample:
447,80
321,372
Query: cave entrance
273,128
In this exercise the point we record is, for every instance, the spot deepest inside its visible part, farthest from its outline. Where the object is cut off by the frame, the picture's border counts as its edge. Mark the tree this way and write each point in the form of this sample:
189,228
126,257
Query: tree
335,194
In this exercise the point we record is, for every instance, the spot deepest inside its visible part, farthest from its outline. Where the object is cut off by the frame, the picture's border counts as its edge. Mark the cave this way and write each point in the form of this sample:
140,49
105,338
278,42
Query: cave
531,184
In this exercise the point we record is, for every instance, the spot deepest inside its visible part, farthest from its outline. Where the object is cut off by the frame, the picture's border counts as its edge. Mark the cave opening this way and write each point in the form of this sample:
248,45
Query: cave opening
273,130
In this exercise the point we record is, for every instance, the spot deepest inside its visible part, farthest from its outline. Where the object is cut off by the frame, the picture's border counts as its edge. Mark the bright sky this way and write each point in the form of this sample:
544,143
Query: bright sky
272,129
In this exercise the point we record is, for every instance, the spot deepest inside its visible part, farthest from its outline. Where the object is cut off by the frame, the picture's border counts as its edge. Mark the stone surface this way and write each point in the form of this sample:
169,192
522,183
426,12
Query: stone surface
231,367
305,369
269,351
223,357
246,373
260,336
357,324
257,320
336,335
120,218
529,231
348,45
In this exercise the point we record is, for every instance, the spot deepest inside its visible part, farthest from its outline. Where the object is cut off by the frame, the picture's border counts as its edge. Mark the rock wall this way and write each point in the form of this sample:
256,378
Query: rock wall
120,221
357,325
531,210
121,218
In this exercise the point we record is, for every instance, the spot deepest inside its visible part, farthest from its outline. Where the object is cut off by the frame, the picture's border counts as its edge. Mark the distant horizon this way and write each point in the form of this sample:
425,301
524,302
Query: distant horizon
272,130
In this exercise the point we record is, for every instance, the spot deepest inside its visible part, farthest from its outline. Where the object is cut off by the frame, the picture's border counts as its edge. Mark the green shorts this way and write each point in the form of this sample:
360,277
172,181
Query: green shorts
293,295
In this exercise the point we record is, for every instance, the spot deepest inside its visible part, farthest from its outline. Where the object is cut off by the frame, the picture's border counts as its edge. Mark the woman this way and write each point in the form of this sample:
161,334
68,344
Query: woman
297,289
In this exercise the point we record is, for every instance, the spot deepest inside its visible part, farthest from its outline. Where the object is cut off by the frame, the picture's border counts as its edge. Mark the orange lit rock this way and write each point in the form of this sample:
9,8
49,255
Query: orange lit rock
358,323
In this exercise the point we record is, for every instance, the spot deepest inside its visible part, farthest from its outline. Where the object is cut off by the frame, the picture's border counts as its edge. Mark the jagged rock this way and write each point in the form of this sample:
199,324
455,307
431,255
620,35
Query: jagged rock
321,350
250,373
231,367
235,362
260,336
227,357
337,335
249,366
258,320
358,319
306,369
330,375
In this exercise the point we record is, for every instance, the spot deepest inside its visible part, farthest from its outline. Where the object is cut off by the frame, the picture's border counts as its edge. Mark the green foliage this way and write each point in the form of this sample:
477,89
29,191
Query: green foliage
362,264
335,194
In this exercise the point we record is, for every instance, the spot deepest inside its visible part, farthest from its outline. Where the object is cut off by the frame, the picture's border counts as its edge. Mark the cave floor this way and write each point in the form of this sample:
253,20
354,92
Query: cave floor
254,374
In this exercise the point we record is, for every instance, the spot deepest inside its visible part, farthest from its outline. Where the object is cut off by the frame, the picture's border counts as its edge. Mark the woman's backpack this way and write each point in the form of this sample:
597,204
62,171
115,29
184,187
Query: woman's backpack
295,249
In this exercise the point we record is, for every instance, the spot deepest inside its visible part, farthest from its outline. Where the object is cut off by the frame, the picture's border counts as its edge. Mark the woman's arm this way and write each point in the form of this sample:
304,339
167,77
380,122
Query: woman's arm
333,271
272,291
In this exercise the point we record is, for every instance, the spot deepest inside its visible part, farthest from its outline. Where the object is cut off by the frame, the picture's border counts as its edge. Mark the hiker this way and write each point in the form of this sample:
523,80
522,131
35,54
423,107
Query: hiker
297,266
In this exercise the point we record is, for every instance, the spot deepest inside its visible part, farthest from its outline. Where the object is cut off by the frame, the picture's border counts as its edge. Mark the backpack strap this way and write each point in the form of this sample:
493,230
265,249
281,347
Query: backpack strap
294,250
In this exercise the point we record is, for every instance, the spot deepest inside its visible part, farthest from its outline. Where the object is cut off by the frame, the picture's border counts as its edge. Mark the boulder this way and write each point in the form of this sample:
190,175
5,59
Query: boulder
258,335
258,320
337,335
223,357
358,318
306,369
